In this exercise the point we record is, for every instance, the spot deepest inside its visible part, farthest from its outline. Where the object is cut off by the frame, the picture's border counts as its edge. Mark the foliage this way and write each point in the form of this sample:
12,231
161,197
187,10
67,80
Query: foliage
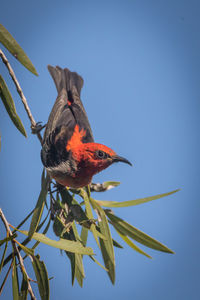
68,214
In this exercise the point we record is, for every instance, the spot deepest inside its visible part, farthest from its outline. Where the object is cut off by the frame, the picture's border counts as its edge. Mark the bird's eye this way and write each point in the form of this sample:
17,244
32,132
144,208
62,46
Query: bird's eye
101,154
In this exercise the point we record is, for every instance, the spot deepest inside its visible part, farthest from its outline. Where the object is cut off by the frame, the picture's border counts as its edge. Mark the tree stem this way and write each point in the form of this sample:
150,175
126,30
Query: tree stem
21,94
21,262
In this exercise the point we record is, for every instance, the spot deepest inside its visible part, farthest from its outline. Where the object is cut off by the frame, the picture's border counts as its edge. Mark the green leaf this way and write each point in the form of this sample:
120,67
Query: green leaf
75,232
85,194
79,270
76,267
24,288
71,246
99,234
15,282
44,232
132,245
10,106
98,263
134,233
75,259
40,205
116,244
41,276
84,235
106,245
3,256
27,250
13,47
134,202
71,257
88,208
95,234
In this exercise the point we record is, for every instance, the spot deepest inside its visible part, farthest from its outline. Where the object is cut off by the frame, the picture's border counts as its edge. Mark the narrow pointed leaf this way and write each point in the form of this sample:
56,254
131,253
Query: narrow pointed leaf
3,256
94,232
71,257
39,206
116,244
71,246
14,48
87,205
41,276
44,232
132,245
75,231
79,273
98,263
10,106
27,250
79,270
24,288
134,233
99,234
134,202
15,282
85,195
106,245
84,235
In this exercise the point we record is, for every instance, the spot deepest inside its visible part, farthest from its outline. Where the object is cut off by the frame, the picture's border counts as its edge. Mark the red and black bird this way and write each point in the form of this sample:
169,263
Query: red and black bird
69,152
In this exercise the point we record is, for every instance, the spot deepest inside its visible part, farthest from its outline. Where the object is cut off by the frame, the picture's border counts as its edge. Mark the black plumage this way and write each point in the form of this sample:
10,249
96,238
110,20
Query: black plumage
67,111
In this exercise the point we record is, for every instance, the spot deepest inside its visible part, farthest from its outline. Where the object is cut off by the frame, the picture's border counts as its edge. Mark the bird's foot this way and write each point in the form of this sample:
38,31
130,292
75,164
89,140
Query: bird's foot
37,128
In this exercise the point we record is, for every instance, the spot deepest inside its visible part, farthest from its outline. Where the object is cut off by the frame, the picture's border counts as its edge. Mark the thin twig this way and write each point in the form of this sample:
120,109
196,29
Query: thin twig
21,262
6,277
19,90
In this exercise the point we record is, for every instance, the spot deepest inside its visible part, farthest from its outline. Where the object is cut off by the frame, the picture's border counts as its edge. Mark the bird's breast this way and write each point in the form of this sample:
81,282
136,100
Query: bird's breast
74,179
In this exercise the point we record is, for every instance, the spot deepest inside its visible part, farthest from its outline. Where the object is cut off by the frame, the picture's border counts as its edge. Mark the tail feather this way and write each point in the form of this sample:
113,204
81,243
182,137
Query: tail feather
67,112
65,79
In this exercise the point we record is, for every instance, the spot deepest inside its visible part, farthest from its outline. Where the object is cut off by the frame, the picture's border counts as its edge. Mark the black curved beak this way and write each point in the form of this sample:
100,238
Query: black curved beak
118,158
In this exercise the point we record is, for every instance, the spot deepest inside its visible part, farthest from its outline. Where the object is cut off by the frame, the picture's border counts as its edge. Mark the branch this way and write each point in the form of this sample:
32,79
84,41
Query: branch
19,90
21,262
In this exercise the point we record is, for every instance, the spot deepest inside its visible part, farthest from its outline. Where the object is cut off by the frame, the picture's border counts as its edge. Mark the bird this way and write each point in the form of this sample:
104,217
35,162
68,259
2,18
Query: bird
69,153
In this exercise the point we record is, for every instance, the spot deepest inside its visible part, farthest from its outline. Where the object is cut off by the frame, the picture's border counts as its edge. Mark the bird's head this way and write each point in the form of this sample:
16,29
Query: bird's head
93,157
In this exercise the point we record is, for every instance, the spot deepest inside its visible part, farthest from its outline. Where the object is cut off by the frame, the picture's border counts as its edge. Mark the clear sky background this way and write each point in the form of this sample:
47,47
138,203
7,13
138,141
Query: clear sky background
140,61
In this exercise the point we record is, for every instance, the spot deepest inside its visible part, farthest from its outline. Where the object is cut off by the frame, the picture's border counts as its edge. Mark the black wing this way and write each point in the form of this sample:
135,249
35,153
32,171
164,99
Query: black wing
67,111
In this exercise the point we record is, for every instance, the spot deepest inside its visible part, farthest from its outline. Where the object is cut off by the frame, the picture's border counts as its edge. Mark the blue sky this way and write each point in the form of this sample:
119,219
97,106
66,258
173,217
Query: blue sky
140,61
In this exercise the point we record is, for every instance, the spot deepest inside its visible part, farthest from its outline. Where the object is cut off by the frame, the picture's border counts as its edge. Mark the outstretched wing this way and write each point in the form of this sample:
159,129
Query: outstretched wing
67,112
